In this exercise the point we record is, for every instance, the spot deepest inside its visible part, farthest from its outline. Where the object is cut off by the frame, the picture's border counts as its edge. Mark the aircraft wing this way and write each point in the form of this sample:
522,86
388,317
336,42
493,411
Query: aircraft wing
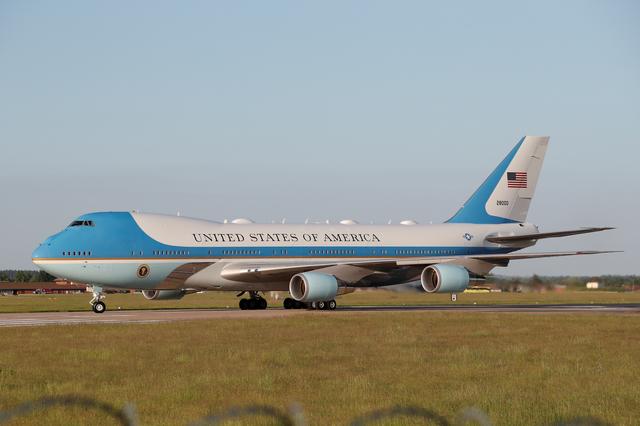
275,271
253,272
529,237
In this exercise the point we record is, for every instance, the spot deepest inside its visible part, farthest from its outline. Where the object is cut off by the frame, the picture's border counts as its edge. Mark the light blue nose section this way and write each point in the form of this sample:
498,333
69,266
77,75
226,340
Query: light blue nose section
37,253
46,249
43,251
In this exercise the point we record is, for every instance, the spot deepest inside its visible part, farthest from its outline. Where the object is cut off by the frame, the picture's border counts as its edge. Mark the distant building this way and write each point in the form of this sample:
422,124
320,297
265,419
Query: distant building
9,288
593,285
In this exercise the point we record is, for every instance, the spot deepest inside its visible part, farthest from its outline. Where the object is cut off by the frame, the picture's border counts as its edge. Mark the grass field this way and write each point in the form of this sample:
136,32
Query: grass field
518,368
80,302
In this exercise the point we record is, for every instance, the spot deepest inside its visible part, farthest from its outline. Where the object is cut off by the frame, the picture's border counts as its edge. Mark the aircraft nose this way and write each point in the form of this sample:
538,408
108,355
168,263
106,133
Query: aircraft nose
38,252
44,250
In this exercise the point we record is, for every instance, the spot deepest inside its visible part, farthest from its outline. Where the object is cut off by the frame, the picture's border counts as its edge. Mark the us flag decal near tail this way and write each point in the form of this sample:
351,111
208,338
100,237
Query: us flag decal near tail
517,179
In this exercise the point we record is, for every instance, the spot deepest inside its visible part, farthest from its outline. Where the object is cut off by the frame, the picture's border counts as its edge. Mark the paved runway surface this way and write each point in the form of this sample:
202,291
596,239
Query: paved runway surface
155,316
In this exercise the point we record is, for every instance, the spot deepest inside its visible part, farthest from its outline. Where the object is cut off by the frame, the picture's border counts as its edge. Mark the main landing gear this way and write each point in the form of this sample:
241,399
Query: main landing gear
97,305
290,303
255,301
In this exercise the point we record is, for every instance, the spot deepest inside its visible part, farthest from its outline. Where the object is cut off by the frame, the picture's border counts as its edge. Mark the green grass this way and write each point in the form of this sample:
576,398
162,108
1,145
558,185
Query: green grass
518,368
80,302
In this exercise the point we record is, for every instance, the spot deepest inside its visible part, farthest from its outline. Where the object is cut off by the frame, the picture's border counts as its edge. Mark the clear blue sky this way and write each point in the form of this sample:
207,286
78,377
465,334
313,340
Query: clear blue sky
367,110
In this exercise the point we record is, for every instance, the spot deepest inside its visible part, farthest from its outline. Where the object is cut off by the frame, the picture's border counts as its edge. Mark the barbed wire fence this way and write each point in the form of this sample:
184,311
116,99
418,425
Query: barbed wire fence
125,416
293,416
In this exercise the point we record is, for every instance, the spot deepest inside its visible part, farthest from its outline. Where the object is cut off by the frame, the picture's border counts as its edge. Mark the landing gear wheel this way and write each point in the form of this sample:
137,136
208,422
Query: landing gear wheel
244,305
332,304
454,297
289,303
262,303
321,305
99,307
253,303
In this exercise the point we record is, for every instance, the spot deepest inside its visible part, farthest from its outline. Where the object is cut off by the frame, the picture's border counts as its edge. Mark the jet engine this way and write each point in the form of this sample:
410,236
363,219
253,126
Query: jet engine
444,278
163,294
313,287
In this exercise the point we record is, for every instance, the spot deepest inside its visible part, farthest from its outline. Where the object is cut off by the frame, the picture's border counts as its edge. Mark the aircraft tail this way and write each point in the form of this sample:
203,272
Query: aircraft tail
506,194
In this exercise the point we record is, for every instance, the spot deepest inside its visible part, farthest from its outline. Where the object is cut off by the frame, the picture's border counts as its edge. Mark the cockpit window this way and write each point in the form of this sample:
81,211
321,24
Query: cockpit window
81,223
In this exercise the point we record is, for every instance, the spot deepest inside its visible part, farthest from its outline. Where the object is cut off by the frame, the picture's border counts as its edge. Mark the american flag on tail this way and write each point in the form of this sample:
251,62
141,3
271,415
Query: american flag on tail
517,179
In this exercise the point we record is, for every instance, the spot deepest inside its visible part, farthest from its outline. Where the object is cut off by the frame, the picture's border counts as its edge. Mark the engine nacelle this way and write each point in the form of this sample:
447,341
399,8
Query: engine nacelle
313,287
163,294
444,278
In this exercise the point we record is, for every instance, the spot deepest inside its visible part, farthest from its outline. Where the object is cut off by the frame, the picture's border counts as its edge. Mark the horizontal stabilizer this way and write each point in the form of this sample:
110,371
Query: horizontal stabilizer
529,237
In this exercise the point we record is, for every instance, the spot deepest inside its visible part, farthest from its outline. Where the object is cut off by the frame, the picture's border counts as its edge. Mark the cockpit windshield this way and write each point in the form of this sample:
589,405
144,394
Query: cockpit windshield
81,223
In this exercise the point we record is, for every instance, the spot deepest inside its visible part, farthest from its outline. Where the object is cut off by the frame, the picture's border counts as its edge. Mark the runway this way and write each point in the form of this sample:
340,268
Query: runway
158,316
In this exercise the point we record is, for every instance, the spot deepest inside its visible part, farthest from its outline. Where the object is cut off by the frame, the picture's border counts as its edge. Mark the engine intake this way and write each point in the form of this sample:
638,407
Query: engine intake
313,287
444,278
163,294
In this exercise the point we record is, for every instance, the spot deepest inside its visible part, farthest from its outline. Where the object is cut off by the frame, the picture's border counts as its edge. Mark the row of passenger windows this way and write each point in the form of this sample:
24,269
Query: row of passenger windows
425,252
170,253
275,252
336,252
240,252
76,253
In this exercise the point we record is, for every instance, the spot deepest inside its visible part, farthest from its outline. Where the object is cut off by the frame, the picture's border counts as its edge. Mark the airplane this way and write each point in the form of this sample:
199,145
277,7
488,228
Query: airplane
167,257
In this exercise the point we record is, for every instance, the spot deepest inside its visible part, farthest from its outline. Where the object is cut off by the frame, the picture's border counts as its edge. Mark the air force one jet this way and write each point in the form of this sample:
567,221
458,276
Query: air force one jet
169,256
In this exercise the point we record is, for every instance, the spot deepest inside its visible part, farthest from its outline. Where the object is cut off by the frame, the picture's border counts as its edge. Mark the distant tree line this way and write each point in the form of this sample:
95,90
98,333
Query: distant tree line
24,276
537,282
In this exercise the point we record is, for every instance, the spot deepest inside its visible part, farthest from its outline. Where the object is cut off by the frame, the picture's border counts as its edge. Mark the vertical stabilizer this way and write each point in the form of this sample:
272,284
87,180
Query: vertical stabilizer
506,194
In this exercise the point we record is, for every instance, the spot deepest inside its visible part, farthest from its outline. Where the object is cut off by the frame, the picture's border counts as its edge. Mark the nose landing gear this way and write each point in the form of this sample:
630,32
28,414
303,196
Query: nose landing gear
97,305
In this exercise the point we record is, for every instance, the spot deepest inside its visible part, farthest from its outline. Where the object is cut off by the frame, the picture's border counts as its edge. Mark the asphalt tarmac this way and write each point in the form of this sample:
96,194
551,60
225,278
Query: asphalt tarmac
157,316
